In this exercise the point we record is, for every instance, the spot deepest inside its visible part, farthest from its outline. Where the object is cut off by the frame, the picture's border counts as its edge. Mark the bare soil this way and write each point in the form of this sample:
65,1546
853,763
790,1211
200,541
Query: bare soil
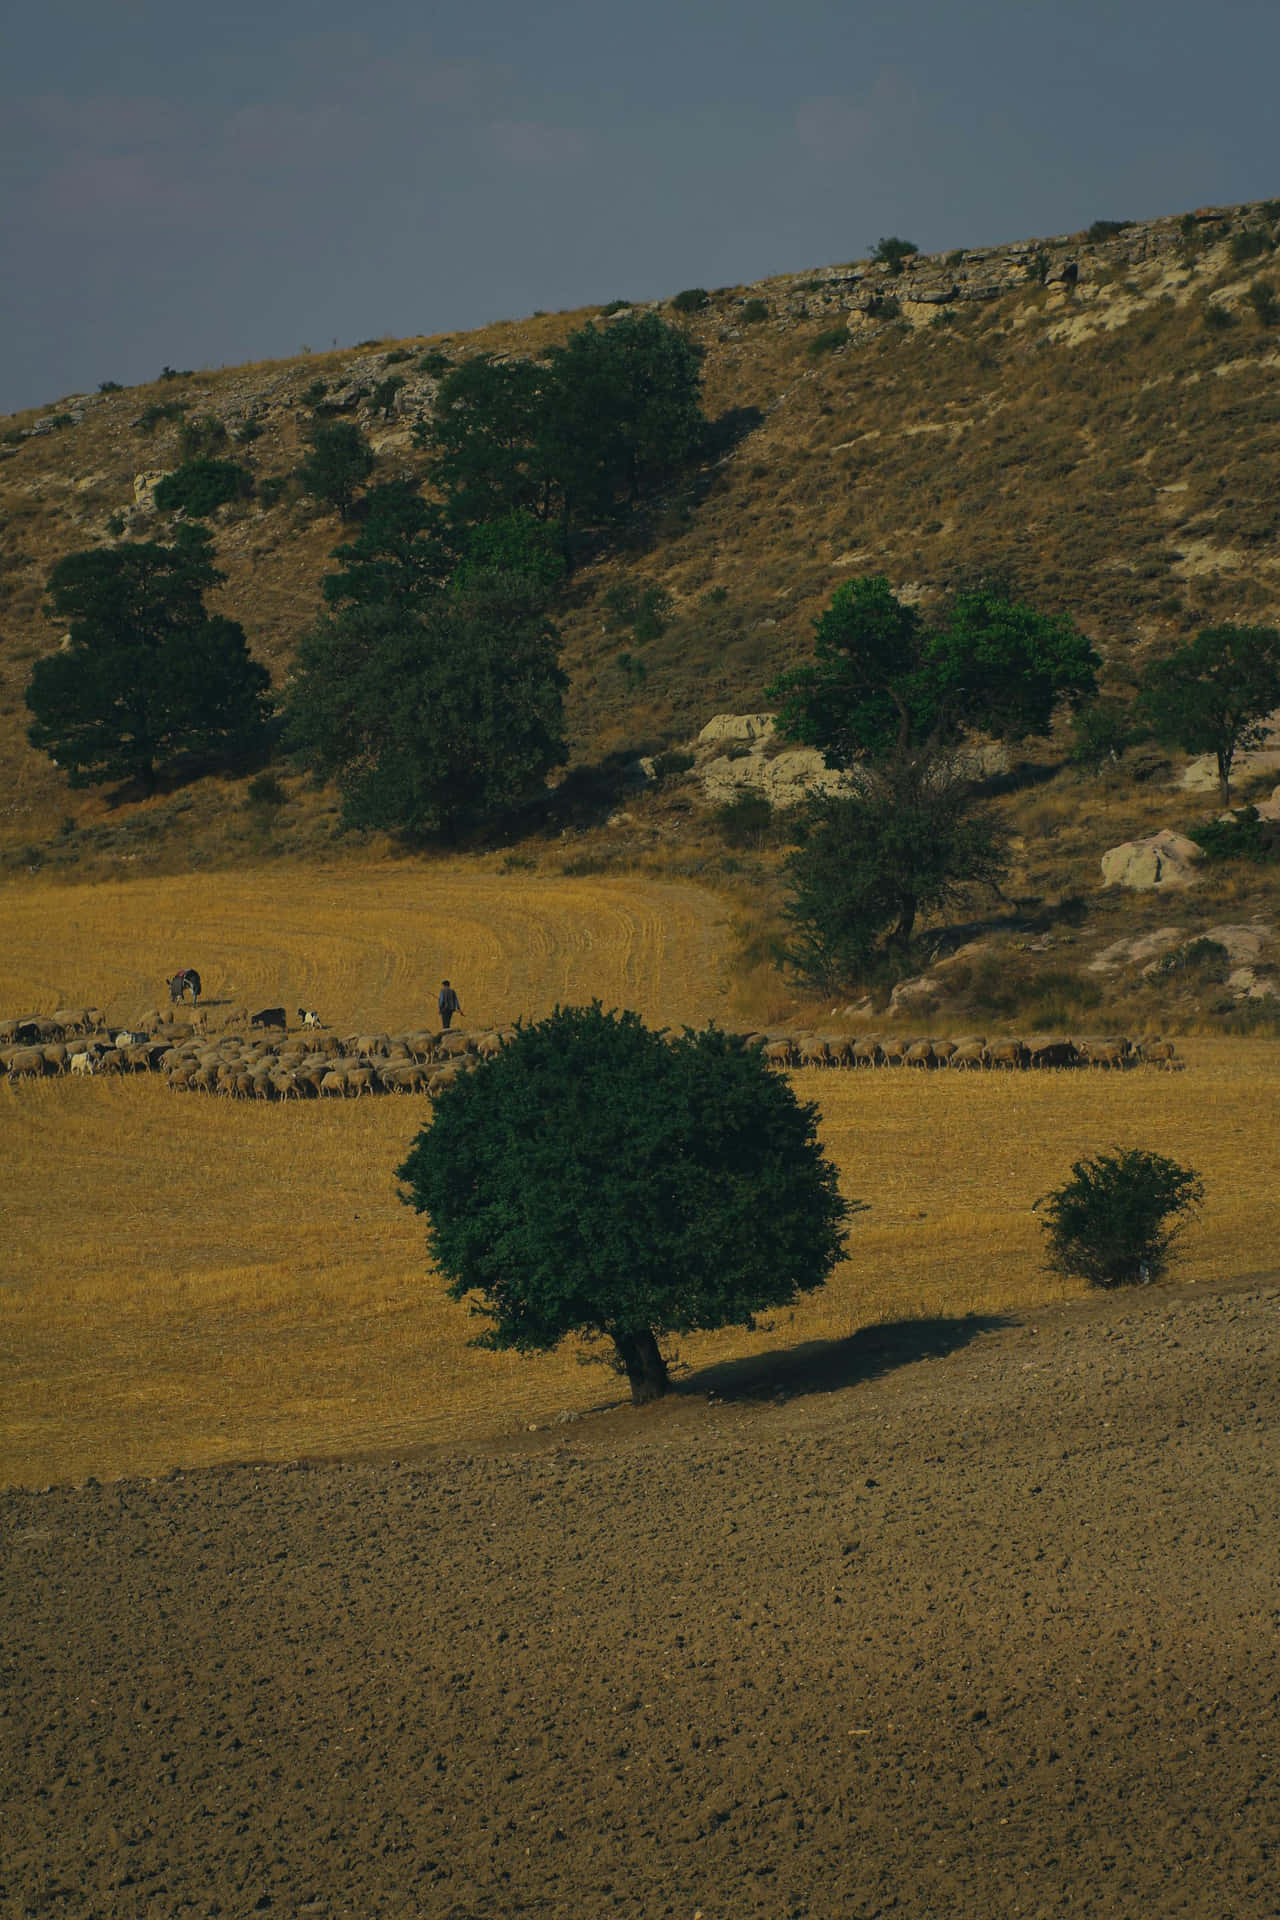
955,1618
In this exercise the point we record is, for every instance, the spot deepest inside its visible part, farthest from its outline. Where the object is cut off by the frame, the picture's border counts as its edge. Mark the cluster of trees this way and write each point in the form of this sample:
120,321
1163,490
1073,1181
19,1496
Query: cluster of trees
891,699
430,687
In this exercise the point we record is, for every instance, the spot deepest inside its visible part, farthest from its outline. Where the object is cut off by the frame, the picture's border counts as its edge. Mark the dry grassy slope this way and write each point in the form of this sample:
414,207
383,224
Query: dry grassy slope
1098,439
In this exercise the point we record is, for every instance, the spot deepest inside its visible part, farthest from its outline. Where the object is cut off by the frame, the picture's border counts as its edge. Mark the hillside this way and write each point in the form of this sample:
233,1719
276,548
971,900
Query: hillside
1096,418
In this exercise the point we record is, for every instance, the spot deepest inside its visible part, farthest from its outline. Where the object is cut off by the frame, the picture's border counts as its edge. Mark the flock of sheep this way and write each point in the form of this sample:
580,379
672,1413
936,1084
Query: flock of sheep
255,1056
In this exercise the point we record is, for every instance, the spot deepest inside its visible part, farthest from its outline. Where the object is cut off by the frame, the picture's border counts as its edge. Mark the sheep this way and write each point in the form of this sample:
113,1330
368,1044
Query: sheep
778,1053
82,1063
269,1017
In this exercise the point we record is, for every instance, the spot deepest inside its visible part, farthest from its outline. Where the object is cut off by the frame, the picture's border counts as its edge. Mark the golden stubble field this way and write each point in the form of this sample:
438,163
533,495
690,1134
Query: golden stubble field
188,1281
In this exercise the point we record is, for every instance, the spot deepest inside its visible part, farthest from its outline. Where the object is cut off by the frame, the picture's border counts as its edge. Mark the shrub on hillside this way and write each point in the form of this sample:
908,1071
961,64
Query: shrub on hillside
1107,229
201,438
202,486
1114,1222
1244,836
891,252
1262,298
691,300
745,820
754,311
1249,244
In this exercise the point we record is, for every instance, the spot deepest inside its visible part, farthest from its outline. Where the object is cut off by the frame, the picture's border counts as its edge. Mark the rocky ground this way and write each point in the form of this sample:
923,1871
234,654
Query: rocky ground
955,1618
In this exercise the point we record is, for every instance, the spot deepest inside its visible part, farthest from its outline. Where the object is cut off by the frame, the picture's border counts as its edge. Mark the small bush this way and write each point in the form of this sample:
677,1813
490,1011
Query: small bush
1113,1223
611,307
643,610
110,386
202,486
745,820
1262,298
633,671
1218,318
264,790
247,431
202,438
827,342
115,525
754,311
272,490
398,356
1107,229
160,410
1200,962
692,300
671,765
383,398
315,393
435,363
891,252
175,373
1248,244
1245,836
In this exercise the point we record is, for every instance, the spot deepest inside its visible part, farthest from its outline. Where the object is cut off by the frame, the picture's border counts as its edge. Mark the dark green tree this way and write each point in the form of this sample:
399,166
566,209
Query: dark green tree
1213,695
434,717
1000,667
885,685
596,1180
517,543
484,439
891,252
577,439
201,486
147,674
866,691
623,414
400,556
339,463
906,840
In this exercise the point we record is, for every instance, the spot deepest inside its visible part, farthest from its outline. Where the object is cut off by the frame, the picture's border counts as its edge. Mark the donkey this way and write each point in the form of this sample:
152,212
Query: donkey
184,980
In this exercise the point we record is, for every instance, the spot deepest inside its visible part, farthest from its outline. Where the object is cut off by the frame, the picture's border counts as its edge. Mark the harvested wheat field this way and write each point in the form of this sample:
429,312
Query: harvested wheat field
952,1593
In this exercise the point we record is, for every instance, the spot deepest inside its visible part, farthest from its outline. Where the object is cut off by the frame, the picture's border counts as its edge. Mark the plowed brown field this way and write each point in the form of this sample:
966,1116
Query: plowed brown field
948,1595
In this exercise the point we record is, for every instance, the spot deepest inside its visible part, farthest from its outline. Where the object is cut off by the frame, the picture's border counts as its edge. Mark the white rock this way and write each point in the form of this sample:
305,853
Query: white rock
1166,859
736,726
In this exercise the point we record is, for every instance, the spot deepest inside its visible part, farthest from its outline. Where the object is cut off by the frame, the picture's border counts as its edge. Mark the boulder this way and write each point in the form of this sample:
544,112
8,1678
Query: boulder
1165,859
736,726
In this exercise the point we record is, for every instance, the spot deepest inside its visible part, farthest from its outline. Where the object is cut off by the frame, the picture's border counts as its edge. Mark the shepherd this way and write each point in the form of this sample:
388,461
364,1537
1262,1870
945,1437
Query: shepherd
184,980
448,1004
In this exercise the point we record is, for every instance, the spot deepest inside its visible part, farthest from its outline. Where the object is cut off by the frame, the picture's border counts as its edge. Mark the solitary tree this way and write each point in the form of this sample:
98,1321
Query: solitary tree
339,463
907,839
147,674
1214,694
432,717
594,1179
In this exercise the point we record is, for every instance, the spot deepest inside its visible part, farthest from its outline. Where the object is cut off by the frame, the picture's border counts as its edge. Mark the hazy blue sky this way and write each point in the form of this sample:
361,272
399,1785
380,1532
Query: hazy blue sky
205,185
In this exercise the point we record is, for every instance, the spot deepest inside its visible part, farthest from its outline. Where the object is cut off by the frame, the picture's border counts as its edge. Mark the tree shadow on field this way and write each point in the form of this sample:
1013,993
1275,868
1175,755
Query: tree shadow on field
826,1366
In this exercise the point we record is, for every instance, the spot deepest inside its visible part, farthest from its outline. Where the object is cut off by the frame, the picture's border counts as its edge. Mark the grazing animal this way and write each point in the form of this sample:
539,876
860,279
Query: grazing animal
308,1016
269,1017
185,980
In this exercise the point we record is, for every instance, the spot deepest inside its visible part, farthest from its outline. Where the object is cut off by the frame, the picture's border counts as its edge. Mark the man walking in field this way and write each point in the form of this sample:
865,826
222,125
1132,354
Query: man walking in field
448,1005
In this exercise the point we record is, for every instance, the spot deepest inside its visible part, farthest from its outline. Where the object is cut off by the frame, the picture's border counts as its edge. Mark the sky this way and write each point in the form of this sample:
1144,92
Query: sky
198,186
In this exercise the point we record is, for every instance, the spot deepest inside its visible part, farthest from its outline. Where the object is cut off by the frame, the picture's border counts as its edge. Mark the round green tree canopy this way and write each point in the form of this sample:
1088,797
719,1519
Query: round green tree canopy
601,1179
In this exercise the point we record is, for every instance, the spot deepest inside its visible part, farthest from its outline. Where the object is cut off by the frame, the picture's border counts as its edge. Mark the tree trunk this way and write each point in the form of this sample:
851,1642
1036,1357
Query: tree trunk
1224,776
645,1366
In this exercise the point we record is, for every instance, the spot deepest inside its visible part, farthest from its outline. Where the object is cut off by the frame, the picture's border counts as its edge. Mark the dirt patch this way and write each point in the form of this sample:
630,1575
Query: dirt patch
959,1617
